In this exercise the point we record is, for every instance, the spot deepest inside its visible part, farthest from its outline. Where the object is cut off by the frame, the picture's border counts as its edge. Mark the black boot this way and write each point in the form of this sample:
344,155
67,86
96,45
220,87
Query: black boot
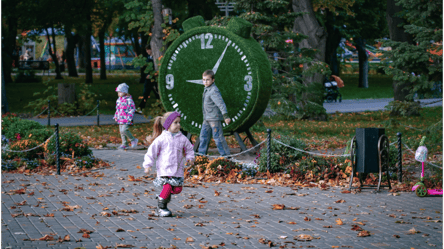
163,209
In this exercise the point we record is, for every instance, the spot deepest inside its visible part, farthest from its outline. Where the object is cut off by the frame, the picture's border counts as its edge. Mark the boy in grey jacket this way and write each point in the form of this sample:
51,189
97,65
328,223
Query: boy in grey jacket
214,112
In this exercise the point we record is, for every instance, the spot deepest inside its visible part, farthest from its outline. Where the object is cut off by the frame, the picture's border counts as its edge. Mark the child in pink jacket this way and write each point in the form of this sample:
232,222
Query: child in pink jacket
125,109
168,151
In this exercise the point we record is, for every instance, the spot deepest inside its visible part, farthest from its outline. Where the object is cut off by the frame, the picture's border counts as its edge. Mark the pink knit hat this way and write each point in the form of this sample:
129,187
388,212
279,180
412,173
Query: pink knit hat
169,120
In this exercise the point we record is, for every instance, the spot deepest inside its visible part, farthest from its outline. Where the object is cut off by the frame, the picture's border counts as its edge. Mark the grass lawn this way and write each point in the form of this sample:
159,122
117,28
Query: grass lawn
379,86
20,94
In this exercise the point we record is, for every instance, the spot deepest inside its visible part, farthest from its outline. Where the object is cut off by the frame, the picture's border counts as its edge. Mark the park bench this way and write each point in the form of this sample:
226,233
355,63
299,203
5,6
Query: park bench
34,65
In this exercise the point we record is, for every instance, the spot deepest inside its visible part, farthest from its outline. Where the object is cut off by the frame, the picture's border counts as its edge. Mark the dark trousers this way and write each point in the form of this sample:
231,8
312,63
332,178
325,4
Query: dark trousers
148,86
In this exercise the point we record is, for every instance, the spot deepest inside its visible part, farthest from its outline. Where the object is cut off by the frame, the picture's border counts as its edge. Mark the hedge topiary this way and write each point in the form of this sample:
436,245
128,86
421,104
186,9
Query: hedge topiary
199,49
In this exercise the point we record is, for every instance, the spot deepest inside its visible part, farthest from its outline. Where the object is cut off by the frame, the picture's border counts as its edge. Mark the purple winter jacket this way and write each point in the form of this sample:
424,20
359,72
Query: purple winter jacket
169,153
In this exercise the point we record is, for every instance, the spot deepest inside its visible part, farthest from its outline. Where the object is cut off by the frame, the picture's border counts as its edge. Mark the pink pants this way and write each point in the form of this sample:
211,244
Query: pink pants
168,190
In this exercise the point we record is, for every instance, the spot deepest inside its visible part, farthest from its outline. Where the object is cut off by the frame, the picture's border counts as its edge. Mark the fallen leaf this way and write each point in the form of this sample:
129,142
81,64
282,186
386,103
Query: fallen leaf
356,228
189,239
106,214
363,233
292,208
85,235
278,206
216,193
82,230
396,236
304,237
340,201
291,223
124,246
176,238
307,219
47,238
413,231
70,208
346,192
120,230
339,222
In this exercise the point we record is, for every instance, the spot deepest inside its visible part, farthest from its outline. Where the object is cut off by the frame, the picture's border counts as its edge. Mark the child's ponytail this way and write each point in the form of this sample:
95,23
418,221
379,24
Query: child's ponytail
157,127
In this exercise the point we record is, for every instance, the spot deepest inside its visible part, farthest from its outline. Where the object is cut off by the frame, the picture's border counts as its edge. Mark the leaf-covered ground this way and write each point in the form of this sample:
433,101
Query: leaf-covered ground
323,137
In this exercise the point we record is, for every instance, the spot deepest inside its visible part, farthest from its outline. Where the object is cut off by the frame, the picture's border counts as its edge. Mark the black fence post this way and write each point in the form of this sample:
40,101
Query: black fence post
57,148
98,121
399,134
268,148
49,112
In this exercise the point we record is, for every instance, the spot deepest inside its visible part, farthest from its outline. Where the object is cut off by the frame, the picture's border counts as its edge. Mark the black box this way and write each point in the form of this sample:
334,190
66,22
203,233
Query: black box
367,149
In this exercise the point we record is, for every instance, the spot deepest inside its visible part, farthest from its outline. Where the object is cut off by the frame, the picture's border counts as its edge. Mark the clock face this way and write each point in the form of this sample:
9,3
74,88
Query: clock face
180,81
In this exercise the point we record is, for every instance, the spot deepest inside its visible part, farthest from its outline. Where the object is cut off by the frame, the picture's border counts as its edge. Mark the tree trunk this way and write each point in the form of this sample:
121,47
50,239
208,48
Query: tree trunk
332,44
53,53
157,35
397,33
143,52
66,93
363,63
81,58
5,106
9,42
308,25
87,50
102,54
71,41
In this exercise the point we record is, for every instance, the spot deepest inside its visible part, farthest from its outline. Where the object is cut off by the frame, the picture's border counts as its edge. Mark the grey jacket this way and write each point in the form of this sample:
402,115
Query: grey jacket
213,106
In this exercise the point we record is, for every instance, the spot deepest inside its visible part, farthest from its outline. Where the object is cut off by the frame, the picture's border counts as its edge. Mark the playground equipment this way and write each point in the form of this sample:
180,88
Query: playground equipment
419,188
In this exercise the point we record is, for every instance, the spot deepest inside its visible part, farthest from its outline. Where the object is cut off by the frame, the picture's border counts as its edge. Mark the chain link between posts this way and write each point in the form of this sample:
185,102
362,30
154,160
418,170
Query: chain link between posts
233,155
18,151
425,161
312,153
40,113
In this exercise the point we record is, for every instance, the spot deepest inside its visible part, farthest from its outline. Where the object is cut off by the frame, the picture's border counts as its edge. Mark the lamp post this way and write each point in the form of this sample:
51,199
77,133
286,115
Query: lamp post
167,12
225,6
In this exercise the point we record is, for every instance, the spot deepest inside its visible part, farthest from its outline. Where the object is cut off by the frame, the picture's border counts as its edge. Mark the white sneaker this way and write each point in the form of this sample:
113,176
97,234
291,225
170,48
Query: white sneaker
134,143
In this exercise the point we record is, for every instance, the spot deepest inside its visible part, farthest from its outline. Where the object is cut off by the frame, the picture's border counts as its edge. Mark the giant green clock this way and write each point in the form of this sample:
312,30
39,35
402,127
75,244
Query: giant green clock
242,73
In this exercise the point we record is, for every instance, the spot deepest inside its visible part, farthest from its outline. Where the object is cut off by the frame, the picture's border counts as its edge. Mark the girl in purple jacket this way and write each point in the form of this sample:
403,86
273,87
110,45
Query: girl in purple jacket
168,151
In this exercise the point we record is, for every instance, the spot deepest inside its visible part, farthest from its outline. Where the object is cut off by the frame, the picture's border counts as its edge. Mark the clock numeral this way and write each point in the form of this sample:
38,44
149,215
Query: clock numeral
169,81
248,84
208,36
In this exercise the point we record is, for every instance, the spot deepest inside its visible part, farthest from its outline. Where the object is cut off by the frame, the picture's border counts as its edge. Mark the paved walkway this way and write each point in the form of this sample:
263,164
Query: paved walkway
118,212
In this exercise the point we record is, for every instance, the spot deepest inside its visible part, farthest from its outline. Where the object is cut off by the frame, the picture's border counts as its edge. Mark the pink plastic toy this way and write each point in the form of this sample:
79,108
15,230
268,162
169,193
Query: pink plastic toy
419,188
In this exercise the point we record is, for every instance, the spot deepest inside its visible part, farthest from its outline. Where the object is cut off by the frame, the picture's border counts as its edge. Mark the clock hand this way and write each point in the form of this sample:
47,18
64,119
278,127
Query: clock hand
196,81
220,59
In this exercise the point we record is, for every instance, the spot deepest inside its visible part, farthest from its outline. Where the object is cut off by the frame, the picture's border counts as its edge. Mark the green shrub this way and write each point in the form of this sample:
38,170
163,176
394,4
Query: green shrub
10,165
32,164
69,142
281,156
11,126
403,108
85,162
